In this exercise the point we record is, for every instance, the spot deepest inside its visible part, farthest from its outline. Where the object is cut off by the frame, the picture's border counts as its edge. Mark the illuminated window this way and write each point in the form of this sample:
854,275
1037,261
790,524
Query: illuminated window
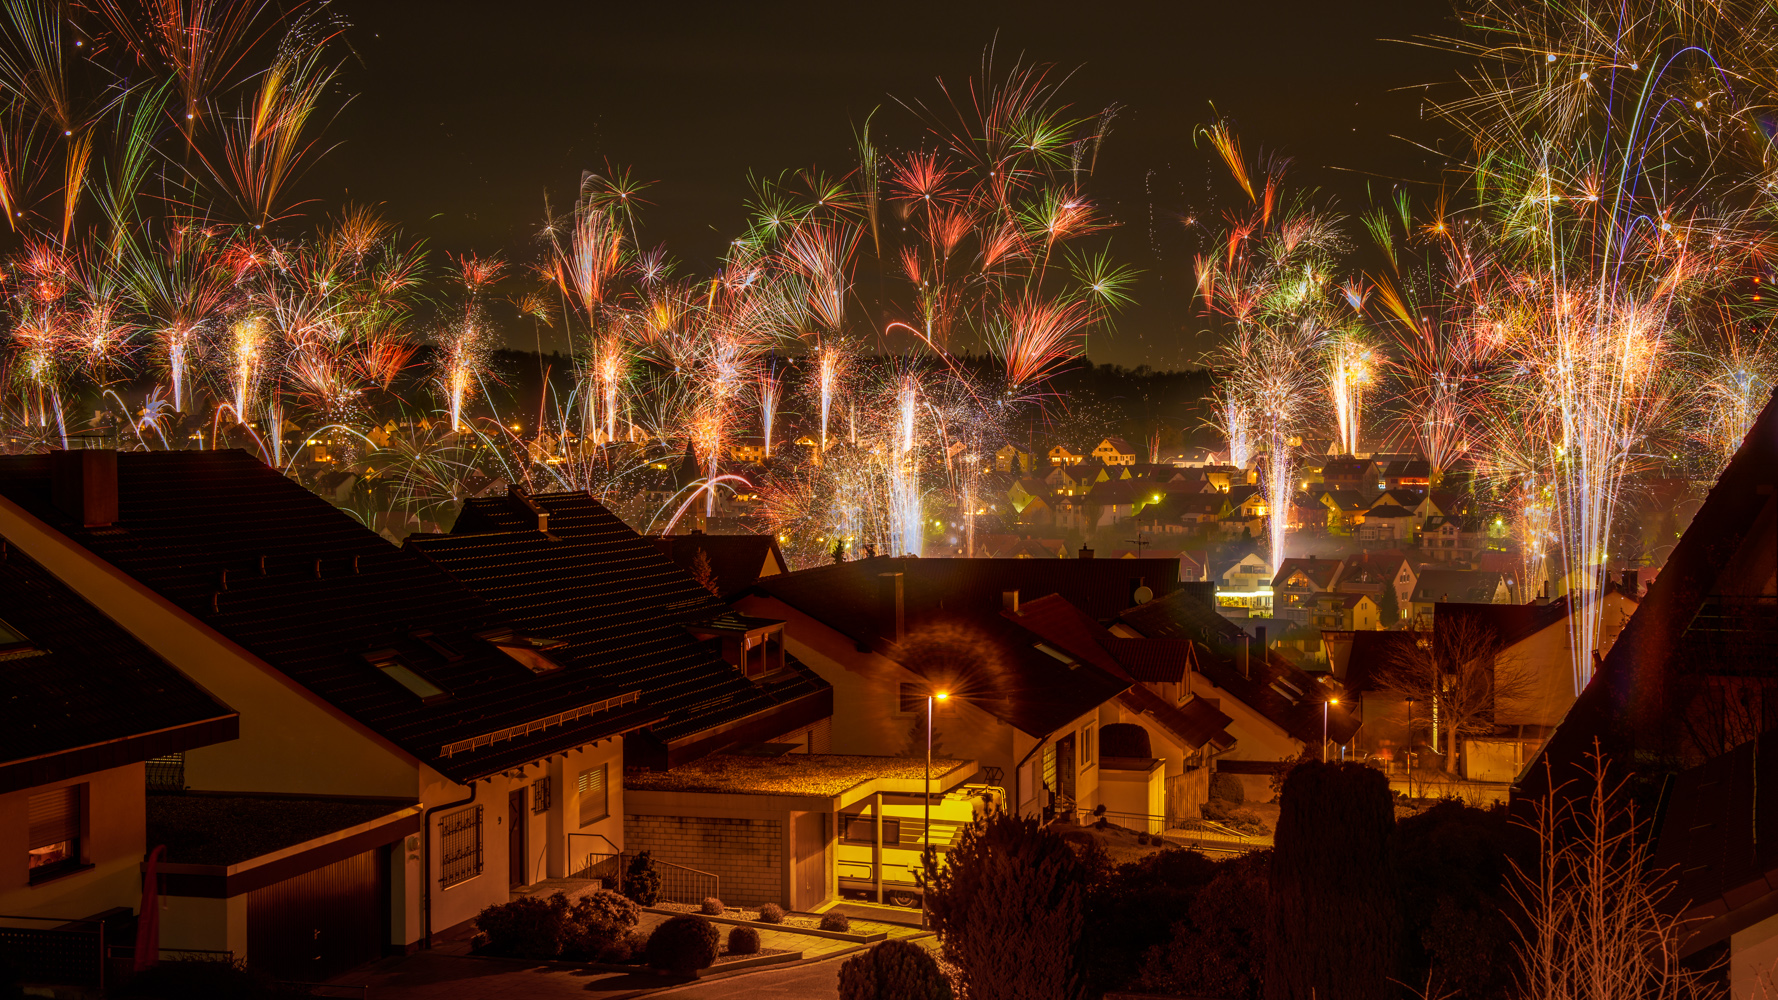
397,669
53,819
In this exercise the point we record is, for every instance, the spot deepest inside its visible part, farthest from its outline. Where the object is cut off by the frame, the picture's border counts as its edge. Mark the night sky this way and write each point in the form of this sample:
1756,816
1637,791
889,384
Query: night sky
466,113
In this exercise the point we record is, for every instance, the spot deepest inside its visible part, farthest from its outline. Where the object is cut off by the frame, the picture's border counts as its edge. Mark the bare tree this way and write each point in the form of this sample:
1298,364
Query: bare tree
1459,672
1594,927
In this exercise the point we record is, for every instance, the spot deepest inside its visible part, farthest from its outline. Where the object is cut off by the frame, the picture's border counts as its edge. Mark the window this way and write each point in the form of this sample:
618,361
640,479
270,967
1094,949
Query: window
166,774
396,669
54,821
540,795
460,846
11,638
1086,745
863,830
595,805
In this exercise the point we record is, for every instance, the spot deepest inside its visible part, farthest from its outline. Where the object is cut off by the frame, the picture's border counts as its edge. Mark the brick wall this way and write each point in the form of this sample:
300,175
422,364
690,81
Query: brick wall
747,854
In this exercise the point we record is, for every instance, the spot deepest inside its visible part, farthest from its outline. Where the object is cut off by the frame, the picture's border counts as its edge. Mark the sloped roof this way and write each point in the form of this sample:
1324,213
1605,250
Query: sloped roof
1320,572
330,591
1345,468
80,682
617,605
1266,689
1387,510
1456,586
960,602
1194,724
1372,651
735,560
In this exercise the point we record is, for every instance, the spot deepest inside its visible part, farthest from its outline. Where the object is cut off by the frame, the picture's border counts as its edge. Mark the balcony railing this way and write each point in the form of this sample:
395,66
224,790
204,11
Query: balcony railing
679,884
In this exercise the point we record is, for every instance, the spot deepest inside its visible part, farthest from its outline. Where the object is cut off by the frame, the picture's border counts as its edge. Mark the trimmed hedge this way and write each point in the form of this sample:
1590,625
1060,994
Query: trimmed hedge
683,945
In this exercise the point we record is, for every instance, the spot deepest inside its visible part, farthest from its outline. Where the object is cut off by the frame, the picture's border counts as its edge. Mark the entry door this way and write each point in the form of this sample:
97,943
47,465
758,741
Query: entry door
515,838
809,873
1065,771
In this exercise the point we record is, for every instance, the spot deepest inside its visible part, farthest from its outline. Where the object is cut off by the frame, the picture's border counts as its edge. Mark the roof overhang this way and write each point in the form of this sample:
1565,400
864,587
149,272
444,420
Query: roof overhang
76,761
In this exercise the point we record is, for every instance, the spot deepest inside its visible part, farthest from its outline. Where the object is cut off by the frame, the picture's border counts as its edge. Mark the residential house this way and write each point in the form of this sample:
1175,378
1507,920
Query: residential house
748,450
1374,572
1454,586
1347,474
885,632
1296,584
1010,459
1060,455
1244,582
1455,539
411,749
1408,474
1244,510
1336,611
92,715
1686,699
1223,478
1115,451
1390,523
1346,511
1275,710
1117,500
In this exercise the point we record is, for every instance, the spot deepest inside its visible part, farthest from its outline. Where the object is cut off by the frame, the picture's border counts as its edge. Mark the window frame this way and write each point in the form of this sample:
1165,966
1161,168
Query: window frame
460,839
541,800
891,830
582,795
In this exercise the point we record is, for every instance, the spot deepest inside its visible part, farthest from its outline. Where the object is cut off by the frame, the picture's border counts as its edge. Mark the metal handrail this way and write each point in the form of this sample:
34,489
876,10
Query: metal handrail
670,887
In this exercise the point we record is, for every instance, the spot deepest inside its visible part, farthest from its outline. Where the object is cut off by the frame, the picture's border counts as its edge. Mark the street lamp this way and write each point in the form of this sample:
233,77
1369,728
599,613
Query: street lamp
926,845
1330,701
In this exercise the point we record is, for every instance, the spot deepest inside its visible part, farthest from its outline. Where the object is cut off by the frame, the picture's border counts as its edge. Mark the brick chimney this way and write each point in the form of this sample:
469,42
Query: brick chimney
1086,553
891,609
1009,600
83,485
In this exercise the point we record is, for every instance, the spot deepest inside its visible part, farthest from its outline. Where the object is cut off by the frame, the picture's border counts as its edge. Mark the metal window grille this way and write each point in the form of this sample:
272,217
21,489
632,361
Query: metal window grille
460,846
167,774
540,795
594,804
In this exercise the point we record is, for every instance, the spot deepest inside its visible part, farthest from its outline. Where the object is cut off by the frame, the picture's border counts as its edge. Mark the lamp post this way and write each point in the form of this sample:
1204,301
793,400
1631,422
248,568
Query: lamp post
1409,744
926,839
1330,701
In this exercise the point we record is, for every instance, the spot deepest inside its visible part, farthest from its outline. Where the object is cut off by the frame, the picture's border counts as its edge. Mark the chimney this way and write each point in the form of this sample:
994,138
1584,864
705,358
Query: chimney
1086,553
542,519
1242,651
83,485
891,610
1632,583
1009,600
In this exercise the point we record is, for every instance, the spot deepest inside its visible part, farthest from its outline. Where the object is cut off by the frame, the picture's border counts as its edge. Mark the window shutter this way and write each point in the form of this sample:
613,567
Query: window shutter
54,816
594,805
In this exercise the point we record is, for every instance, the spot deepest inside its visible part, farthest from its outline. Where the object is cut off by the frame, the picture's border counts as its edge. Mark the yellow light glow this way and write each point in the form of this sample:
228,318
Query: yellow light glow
942,695
1333,701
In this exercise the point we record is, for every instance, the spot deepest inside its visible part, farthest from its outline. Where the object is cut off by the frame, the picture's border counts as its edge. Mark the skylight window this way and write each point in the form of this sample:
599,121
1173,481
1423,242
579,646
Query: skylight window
11,638
397,670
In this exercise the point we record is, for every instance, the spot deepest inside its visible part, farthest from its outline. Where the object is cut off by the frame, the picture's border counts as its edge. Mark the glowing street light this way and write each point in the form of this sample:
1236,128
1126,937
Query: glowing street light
1324,705
926,847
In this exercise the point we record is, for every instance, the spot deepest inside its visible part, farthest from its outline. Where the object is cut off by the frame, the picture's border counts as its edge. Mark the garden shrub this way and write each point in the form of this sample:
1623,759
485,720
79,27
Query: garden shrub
893,970
712,907
641,882
1227,788
683,945
1010,908
743,941
771,913
626,949
527,927
606,907
836,922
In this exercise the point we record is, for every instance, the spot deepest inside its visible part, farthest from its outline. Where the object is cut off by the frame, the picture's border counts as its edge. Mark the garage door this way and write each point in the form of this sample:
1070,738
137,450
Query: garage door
315,926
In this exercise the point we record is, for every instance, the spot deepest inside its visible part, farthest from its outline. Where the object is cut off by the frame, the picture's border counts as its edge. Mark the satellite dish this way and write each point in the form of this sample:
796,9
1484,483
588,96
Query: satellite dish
1143,595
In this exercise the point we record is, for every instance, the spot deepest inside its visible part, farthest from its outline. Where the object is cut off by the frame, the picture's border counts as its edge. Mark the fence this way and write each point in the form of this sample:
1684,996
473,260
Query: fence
71,953
679,884
1185,793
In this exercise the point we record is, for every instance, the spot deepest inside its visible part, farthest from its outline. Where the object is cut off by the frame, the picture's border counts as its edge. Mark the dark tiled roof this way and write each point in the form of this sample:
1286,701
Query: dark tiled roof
957,603
618,606
330,592
1156,661
1194,724
80,680
1268,688
1724,874
201,828
1320,572
735,560
1387,510
1456,586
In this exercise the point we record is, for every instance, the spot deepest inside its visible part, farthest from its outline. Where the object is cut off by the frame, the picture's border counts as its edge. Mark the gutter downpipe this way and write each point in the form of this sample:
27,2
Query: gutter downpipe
426,862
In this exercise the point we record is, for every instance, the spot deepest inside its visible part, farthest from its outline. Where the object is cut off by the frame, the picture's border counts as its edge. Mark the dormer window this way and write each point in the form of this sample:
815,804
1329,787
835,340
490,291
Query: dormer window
755,646
395,667
530,651
12,640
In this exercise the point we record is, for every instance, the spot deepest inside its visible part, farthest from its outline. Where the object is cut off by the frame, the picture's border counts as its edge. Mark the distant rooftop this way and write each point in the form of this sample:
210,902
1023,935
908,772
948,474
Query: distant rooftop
819,774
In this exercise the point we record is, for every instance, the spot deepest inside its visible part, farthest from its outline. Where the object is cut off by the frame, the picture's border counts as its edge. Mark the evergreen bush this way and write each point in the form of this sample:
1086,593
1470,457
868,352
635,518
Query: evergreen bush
771,913
683,945
836,922
743,941
641,882
712,907
1227,788
893,970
